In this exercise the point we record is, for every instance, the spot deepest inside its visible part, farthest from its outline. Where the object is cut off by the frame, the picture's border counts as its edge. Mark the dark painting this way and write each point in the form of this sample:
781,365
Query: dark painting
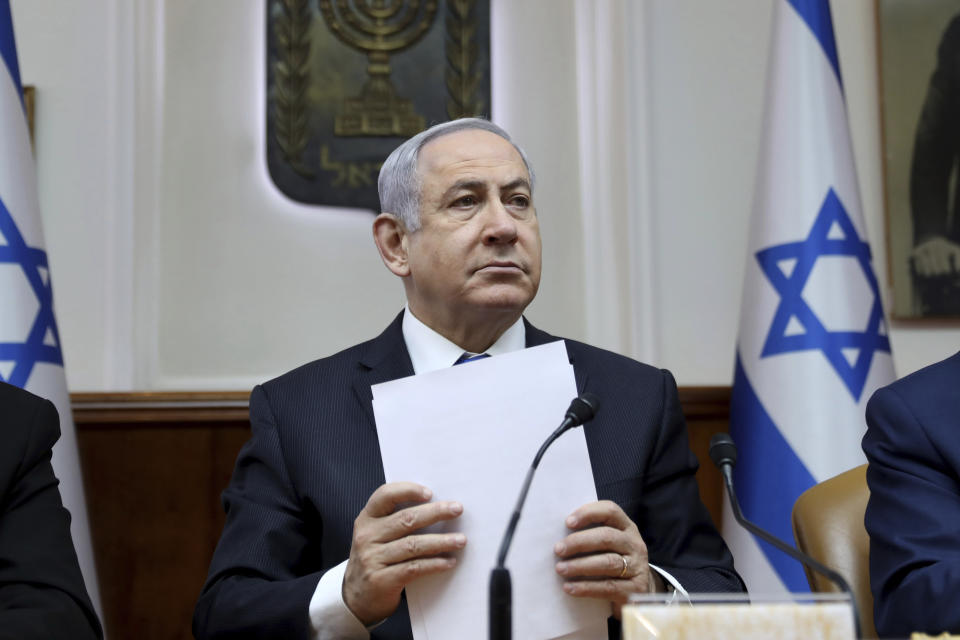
920,90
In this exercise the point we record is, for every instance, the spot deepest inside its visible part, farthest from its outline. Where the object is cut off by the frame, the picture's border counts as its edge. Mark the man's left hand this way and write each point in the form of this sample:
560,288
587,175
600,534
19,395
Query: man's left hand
604,557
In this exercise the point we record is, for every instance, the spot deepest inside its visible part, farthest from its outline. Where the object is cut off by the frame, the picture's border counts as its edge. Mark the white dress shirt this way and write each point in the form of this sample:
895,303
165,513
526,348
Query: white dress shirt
330,617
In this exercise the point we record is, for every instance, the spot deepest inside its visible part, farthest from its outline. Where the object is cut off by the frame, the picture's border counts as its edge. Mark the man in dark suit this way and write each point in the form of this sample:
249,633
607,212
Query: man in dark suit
913,516
315,545
935,210
42,594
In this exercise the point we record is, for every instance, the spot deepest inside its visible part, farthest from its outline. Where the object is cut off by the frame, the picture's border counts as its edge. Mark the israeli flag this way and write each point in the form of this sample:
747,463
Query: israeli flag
813,342
30,355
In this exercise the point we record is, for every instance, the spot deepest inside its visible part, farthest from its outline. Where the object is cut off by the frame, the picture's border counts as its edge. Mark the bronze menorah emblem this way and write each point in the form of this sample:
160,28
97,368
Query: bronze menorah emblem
378,28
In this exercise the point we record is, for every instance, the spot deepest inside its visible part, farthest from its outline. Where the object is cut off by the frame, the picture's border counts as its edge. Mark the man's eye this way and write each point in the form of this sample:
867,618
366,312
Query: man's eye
464,201
520,201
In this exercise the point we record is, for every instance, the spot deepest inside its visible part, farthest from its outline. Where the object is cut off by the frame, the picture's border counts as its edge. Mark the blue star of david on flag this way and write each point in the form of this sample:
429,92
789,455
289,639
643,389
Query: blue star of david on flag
42,342
783,336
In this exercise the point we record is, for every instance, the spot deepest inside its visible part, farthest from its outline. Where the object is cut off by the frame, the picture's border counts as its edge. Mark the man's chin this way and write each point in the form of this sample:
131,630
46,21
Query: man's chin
503,299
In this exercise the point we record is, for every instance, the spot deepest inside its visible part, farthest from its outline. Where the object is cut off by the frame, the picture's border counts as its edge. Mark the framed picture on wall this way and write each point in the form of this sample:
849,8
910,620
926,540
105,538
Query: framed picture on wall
920,95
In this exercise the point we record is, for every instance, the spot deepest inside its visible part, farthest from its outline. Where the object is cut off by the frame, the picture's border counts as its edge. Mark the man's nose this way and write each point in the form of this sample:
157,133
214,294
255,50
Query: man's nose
500,227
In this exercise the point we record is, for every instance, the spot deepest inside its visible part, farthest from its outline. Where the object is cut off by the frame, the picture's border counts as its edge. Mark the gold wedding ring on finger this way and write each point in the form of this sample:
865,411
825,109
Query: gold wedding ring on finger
626,564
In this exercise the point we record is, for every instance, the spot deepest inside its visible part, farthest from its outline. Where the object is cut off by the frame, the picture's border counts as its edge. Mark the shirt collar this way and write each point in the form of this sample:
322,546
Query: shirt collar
430,351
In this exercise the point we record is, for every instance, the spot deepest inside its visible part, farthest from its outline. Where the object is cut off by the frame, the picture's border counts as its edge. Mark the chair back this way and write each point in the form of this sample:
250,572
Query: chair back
828,525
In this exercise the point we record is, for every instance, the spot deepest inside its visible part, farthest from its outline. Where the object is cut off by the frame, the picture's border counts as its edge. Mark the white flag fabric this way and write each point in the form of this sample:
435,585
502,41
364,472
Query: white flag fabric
30,354
812,342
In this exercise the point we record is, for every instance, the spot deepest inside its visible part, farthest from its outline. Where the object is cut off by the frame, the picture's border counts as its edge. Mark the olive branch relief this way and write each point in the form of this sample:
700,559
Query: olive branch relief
291,73
462,77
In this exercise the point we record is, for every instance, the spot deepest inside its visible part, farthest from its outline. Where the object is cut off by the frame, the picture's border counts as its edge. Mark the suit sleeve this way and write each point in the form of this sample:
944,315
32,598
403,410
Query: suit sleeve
42,593
263,571
912,518
680,535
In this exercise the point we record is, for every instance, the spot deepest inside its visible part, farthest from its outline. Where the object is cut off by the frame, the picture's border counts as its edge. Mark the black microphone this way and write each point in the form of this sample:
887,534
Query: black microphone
581,410
723,452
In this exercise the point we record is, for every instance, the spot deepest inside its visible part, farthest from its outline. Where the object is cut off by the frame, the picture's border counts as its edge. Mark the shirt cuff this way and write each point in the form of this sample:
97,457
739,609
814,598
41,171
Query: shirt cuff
679,593
330,618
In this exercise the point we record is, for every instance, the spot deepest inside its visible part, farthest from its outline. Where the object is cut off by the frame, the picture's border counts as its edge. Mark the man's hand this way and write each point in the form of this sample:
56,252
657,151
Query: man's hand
386,553
936,257
605,557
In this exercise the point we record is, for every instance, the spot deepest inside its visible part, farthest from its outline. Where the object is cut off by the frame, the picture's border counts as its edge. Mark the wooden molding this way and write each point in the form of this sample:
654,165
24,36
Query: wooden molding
705,403
163,407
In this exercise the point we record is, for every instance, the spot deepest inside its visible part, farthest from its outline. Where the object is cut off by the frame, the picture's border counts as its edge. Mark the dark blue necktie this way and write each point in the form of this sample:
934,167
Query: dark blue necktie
470,357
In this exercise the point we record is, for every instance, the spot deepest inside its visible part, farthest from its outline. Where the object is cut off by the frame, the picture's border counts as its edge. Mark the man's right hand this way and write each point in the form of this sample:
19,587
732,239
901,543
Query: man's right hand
387,553
936,257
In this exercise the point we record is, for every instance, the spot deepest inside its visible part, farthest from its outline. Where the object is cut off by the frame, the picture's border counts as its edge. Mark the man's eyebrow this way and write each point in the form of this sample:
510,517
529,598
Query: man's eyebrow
516,184
468,185
480,185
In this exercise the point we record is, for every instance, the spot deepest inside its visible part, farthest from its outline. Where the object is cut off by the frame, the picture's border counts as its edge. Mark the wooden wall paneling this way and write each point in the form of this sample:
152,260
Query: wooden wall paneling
154,465
153,489
707,410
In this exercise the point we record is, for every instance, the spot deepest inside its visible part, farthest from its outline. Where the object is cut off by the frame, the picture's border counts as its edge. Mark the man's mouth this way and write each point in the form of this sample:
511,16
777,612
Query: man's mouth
505,266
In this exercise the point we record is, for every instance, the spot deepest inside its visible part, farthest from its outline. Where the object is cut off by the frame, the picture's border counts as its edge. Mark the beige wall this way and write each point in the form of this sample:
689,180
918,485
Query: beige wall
177,264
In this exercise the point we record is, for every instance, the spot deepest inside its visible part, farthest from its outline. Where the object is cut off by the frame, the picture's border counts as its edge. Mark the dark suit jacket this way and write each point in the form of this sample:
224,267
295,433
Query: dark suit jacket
42,594
913,516
314,459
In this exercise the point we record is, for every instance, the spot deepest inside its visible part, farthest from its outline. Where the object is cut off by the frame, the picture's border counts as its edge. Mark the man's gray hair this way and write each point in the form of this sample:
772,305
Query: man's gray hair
399,183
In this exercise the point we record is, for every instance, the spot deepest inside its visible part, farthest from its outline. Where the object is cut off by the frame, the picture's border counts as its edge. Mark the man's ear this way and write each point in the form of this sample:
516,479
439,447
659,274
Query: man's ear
391,238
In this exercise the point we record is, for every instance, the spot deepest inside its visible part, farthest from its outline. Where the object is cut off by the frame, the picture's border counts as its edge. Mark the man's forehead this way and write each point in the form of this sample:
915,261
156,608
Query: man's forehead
468,150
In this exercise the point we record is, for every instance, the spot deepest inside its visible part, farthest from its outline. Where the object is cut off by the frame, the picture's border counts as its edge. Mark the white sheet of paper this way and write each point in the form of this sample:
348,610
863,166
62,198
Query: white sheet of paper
470,433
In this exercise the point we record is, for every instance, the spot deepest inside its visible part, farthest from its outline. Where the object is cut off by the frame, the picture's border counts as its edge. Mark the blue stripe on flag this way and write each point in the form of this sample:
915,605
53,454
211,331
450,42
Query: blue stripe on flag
769,476
816,13
34,348
8,46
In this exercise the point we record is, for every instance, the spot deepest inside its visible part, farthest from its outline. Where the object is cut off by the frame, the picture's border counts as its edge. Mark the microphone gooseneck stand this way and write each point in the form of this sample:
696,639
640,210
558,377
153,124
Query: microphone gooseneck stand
581,410
723,452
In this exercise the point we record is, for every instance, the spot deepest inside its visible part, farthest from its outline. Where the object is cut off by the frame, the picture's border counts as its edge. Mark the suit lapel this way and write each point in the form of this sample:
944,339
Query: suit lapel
385,359
593,435
536,337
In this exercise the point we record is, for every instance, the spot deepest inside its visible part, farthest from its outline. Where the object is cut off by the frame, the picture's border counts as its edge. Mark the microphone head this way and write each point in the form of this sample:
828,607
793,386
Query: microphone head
723,451
583,409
